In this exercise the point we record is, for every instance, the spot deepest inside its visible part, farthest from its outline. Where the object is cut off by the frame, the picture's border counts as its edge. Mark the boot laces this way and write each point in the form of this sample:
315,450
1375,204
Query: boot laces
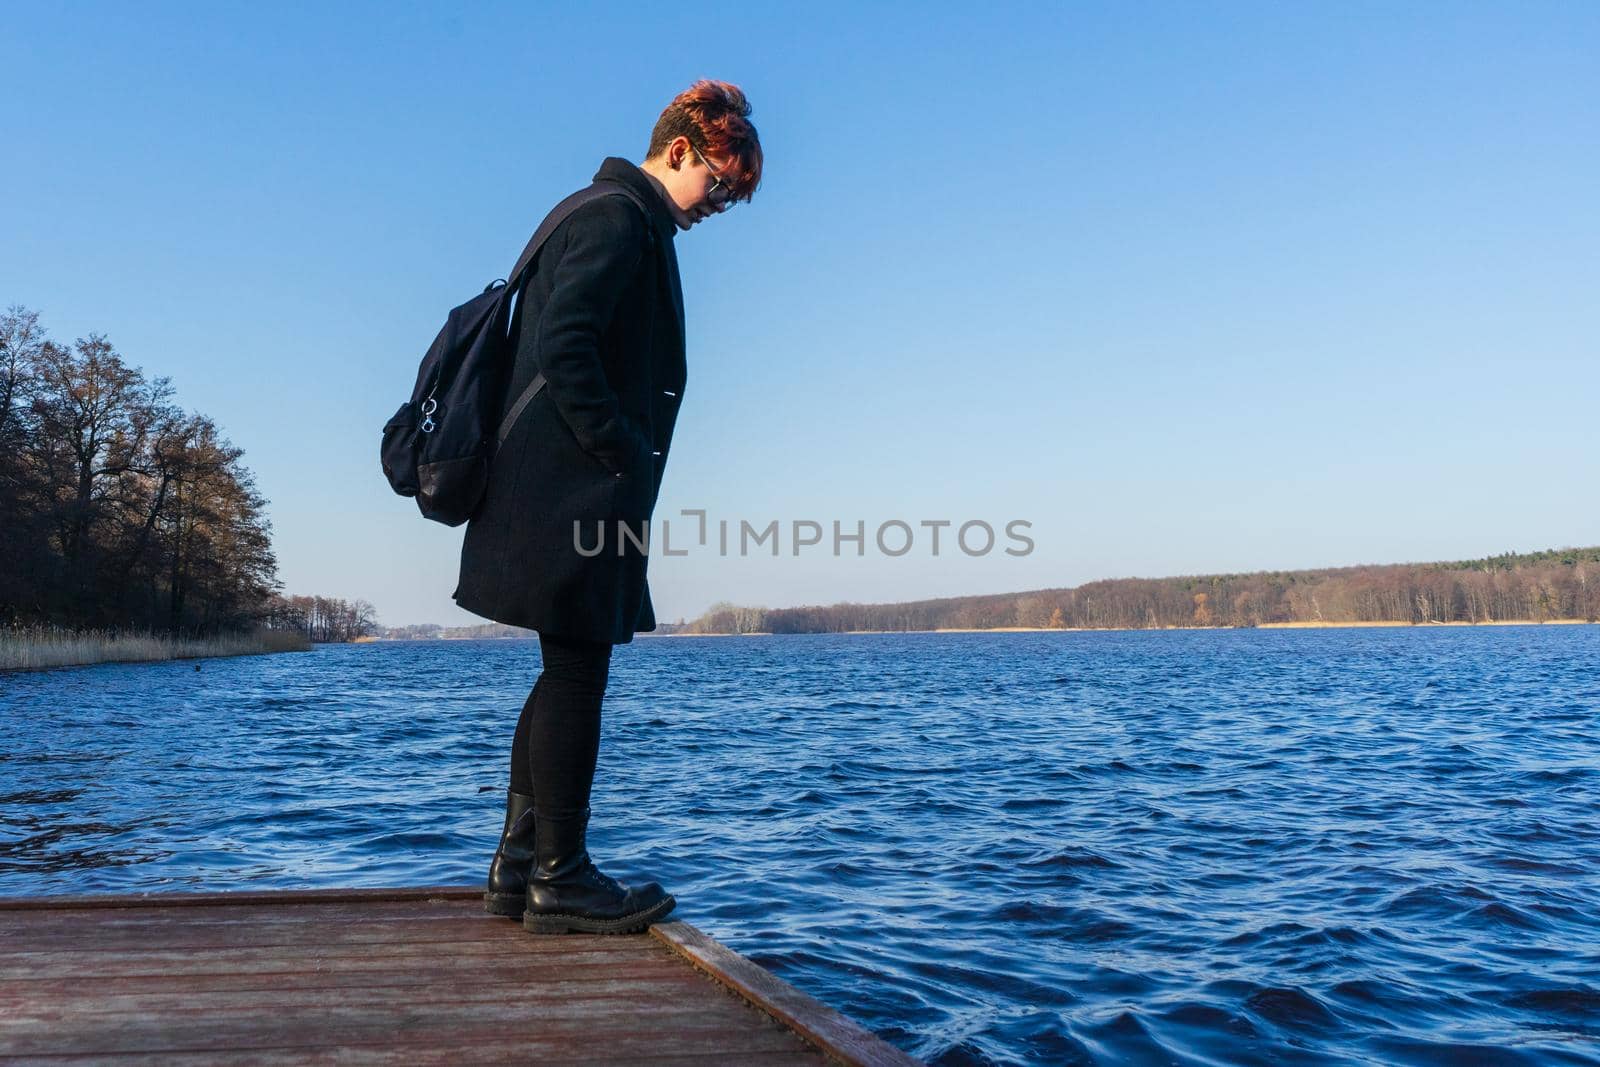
604,879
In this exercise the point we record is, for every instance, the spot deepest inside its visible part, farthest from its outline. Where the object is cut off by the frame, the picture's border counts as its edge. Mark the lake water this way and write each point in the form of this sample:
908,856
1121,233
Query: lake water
1205,847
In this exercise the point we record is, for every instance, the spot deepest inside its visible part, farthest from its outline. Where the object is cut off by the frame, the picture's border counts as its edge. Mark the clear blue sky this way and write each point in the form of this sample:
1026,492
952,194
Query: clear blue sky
1189,287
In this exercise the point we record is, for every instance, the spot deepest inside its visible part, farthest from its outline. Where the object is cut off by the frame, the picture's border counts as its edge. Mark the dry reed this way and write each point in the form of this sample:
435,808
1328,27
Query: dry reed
40,649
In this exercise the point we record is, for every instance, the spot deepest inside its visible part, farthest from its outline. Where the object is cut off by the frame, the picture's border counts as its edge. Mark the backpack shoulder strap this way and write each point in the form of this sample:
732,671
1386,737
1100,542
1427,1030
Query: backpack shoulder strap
562,212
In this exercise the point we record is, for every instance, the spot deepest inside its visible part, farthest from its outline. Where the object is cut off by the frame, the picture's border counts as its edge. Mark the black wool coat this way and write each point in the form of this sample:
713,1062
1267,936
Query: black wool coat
601,314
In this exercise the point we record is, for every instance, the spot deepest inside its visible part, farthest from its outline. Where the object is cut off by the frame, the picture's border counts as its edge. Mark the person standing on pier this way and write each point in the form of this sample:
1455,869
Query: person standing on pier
600,315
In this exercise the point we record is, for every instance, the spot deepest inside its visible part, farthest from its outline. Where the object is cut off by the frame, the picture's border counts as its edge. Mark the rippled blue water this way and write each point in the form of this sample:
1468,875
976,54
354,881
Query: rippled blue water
1203,847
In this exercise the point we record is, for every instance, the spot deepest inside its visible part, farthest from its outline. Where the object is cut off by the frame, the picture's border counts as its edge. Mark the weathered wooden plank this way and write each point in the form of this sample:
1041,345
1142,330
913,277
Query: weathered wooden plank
202,940
643,986
665,1006
493,972
179,935
388,912
624,1030
594,1046
273,897
342,958
807,1016
290,927
505,1050
290,911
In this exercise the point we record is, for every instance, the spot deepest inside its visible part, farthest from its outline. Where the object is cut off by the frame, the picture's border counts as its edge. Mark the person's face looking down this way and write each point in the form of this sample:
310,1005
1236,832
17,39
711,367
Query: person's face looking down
695,184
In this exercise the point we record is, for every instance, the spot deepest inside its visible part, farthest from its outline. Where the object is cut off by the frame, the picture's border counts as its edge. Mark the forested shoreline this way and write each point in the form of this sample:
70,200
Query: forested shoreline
1559,584
129,521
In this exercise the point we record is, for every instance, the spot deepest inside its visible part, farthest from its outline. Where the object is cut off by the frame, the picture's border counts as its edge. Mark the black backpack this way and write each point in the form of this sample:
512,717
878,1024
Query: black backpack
438,446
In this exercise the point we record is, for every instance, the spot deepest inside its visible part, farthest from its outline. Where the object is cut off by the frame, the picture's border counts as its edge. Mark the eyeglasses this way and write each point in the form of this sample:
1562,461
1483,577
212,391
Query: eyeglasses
723,202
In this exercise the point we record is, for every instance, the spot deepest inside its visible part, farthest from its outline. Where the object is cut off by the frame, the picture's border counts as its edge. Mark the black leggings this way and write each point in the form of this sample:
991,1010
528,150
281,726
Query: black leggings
558,736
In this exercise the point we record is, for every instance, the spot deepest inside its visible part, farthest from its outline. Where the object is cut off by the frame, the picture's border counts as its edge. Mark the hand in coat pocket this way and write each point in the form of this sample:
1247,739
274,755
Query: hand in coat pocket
635,483
624,460
641,456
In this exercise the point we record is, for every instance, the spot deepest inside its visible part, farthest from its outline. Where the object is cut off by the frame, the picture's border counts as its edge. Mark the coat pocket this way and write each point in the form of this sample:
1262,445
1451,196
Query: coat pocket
634,486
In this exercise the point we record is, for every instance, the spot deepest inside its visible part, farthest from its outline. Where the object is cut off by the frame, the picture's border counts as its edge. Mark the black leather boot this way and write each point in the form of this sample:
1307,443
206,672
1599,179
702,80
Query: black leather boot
513,860
567,893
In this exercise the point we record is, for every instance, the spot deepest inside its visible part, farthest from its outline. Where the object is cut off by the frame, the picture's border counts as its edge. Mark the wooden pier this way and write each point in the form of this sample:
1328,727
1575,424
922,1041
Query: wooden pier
412,976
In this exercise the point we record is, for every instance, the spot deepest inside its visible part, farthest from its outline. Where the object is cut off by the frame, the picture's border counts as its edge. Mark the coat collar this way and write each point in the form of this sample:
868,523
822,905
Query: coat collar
617,169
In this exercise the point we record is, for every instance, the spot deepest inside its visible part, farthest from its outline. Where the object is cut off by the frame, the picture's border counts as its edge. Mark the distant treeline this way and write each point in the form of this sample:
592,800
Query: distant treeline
123,512
430,631
322,618
1539,586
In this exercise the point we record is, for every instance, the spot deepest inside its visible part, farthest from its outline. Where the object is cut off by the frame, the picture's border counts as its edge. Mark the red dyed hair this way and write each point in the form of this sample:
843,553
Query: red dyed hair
715,116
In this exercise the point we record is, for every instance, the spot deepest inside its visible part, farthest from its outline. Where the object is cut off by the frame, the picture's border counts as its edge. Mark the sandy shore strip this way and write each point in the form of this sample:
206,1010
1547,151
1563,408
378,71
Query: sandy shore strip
1139,629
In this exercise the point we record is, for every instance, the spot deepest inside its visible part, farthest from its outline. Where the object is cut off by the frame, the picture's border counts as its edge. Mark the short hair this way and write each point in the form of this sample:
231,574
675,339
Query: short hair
715,117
